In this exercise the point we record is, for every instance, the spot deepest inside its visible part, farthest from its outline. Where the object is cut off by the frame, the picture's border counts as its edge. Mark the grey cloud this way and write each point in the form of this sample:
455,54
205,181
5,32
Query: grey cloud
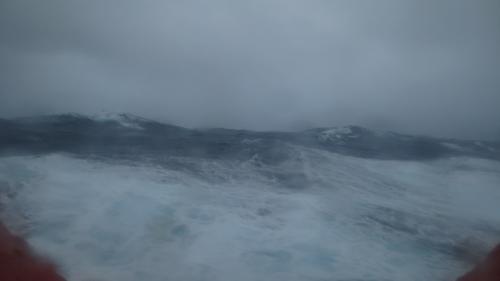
427,67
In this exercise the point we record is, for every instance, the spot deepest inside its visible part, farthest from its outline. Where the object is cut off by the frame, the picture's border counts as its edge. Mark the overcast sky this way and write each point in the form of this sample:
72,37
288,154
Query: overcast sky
423,66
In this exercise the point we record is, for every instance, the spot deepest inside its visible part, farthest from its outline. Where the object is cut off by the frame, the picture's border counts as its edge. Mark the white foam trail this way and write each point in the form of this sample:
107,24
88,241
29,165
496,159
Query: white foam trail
356,219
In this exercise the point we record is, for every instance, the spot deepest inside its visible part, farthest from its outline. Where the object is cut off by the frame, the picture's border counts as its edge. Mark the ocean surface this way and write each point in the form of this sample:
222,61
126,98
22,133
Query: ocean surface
131,199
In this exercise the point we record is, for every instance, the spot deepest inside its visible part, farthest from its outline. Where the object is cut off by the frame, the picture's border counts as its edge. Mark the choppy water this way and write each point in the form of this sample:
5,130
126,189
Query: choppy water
316,216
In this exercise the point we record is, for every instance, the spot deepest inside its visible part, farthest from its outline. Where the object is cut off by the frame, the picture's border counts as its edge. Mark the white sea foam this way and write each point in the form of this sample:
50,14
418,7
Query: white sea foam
353,219
335,134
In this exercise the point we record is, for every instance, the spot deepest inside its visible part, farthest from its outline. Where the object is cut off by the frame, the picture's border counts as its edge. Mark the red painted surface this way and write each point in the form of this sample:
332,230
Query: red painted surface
488,270
18,263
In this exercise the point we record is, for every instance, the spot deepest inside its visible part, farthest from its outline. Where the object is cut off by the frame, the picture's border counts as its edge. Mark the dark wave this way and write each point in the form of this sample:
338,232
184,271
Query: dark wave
130,136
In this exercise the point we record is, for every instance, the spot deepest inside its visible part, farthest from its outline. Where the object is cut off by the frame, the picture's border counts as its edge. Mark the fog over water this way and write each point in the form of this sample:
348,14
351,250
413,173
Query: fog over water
250,140
425,67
